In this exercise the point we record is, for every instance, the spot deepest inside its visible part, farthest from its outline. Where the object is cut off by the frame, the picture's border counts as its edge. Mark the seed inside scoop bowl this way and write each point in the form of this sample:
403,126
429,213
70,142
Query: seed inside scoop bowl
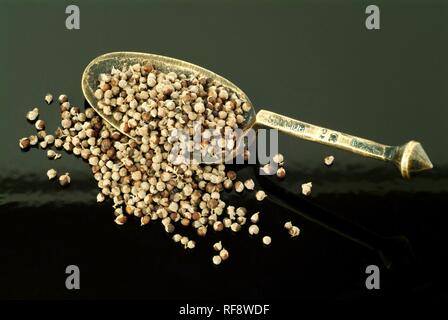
133,91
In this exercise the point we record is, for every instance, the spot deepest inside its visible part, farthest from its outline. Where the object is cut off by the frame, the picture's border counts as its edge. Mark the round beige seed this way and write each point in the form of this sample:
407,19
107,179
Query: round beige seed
249,184
278,158
224,254
217,246
329,160
64,180
48,98
51,174
235,227
121,219
294,231
145,220
51,154
62,98
254,230
33,140
217,260
267,240
281,173
33,114
24,143
191,244
306,188
260,195
184,240
239,186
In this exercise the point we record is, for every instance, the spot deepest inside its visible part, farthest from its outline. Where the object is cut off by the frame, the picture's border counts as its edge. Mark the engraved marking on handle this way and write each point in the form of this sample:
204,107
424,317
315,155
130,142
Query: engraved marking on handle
323,135
369,147
279,121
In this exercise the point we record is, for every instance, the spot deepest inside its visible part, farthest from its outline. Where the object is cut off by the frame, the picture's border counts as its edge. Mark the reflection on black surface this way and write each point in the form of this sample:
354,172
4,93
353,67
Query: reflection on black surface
45,228
391,250
32,189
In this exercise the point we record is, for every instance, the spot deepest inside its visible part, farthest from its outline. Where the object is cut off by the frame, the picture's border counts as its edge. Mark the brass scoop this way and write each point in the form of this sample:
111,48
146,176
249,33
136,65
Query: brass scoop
409,158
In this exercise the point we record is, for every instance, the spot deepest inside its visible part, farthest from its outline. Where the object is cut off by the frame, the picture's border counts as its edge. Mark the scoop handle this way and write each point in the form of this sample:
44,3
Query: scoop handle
325,136
409,157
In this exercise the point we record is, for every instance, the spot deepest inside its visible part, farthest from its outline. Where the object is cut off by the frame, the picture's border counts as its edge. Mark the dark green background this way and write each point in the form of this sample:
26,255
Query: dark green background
311,60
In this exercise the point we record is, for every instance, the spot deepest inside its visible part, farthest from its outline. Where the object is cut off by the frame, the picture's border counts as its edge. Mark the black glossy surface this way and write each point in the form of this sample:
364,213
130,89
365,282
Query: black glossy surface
313,60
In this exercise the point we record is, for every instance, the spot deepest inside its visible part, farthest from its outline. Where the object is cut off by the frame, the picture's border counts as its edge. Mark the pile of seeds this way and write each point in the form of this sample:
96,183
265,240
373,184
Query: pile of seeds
141,178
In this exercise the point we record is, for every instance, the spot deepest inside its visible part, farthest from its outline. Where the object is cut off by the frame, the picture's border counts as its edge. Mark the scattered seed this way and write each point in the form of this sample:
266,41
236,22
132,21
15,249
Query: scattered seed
231,212
217,260
33,140
241,211
278,158
231,175
241,220
145,220
169,228
191,244
260,195
24,143
329,160
100,197
177,237
52,155
249,184
294,231
41,135
51,174
239,186
235,227
48,98
267,240
281,173
121,219
228,184
306,188
218,226
58,143
49,139
33,115
66,123
255,217
217,246
64,180
253,229
62,98
267,169
288,225
227,222
184,241
224,254
202,231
